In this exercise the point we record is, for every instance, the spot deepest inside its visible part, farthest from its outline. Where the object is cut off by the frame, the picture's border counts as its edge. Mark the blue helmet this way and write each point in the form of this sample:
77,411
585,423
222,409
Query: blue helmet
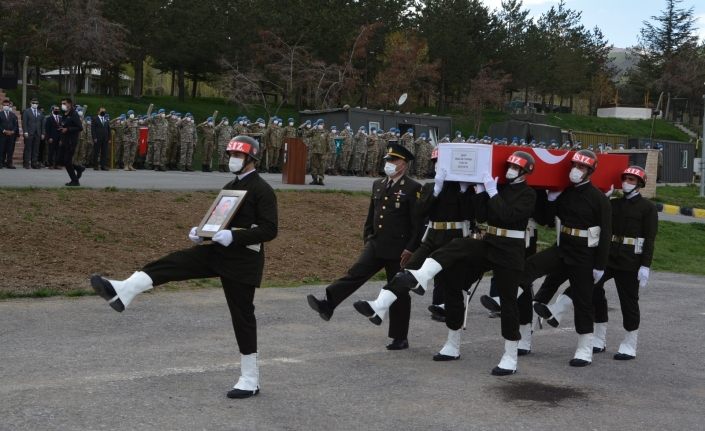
410,130
162,111
130,112
291,120
209,119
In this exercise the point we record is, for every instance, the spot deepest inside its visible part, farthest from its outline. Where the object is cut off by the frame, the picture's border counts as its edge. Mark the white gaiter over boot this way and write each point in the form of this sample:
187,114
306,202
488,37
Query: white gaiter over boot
562,305
381,305
452,345
249,373
600,338
424,275
584,350
628,346
509,358
525,342
134,285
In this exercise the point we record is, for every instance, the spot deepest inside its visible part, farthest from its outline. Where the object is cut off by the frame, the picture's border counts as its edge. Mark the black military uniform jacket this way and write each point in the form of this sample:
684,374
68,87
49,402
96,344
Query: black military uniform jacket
259,208
581,207
632,218
510,208
450,205
391,221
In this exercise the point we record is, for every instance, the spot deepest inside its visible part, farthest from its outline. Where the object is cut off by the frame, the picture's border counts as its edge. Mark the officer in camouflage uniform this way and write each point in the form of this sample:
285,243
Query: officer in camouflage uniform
159,131
147,122
306,130
188,136
407,140
256,130
319,150
334,151
357,164
384,140
131,135
372,153
289,130
458,137
223,134
239,126
424,149
208,136
344,160
84,151
172,151
276,139
118,127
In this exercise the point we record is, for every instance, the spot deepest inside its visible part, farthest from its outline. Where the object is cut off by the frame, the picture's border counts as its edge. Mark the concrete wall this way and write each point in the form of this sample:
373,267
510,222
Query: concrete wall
625,113
647,159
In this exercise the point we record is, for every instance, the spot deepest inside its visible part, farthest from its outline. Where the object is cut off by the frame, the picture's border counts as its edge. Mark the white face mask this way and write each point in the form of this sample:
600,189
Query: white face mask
162,115
291,123
6,108
347,127
34,106
628,188
132,116
80,113
235,164
225,123
576,176
512,173
210,123
242,123
64,107
320,127
390,169
261,124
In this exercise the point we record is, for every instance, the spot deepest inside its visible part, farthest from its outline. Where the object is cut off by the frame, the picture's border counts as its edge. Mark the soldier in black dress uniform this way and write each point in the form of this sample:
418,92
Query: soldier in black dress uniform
506,212
392,234
236,255
580,254
634,228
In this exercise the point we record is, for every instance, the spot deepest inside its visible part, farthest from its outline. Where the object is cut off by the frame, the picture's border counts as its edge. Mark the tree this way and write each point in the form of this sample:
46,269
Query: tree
486,90
665,45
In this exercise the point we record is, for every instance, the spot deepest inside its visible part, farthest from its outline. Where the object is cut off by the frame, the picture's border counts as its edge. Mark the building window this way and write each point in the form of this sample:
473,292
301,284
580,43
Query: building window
684,159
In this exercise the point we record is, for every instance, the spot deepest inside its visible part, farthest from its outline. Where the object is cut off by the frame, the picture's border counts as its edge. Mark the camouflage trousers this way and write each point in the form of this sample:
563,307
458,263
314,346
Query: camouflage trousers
318,167
158,151
275,157
223,158
208,148
343,162
172,152
129,153
357,164
186,154
372,160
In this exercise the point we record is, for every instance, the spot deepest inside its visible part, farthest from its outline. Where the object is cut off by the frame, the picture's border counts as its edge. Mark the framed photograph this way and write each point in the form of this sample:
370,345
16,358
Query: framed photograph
373,125
221,212
465,162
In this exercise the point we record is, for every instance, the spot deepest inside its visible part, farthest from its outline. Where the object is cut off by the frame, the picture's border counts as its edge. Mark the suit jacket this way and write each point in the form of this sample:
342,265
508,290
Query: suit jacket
32,124
51,129
72,122
391,219
8,121
100,131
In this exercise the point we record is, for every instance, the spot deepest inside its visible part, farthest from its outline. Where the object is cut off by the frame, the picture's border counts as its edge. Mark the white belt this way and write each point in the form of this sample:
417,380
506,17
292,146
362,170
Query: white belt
447,225
498,231
624,240
574,232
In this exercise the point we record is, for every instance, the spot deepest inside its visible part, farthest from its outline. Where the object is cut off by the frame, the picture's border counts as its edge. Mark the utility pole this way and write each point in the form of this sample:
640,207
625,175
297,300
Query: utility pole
24,82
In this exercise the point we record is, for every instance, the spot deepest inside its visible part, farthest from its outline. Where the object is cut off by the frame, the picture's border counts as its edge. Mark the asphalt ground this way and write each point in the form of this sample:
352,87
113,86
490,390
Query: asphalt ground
167,362
176,180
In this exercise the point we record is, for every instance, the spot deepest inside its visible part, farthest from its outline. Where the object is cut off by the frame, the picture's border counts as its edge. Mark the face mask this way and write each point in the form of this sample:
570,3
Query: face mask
210,123
64,107
576,175
235,164
34,106
458,135
261,124
390,169
225,122
291,123
308,126
6,108
162,115
397,134
347,127
132,116
102,113
628,188
320,127
56,112
80,113
512,174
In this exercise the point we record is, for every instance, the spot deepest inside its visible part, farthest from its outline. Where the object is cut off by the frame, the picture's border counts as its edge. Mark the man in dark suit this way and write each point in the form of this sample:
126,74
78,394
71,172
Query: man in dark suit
52,124
100,129
32,121
71,127
391,235
235,254
10,129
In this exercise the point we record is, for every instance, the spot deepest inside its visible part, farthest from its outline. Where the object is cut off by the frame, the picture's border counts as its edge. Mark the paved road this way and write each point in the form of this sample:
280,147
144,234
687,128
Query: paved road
166,363
150,180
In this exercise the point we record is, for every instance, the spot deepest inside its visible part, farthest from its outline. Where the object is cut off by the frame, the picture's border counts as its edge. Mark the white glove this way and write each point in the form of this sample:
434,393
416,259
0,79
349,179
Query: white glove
609,192
643,276
597,274
464,186
193,237
223,237
479,188
438,186
552,196
490,185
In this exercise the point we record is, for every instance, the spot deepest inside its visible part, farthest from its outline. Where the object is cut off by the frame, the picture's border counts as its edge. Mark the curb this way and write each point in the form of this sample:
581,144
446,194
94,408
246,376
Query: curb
677,210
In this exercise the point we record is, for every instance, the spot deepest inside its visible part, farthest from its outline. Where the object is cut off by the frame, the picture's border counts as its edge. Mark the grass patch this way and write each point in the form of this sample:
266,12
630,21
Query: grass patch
45,293
684,196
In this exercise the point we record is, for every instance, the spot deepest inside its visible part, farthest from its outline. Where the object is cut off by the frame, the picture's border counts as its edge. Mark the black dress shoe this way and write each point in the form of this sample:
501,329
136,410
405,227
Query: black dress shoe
523,352
438,317
10,167
439,357
364,308
623,357
575,362
496,371
543,311
321,306
104,168
598,350
241,393
398,344
106,291
72,184
436,309
490,303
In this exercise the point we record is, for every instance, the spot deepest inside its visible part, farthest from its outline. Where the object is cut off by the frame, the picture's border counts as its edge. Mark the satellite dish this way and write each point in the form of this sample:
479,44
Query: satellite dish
402,99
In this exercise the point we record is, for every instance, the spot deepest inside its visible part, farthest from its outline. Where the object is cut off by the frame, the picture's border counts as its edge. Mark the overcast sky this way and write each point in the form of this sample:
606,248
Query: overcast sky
619,20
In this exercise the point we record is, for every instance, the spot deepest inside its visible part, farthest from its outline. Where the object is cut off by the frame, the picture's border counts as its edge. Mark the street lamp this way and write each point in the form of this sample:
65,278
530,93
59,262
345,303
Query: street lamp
702,156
